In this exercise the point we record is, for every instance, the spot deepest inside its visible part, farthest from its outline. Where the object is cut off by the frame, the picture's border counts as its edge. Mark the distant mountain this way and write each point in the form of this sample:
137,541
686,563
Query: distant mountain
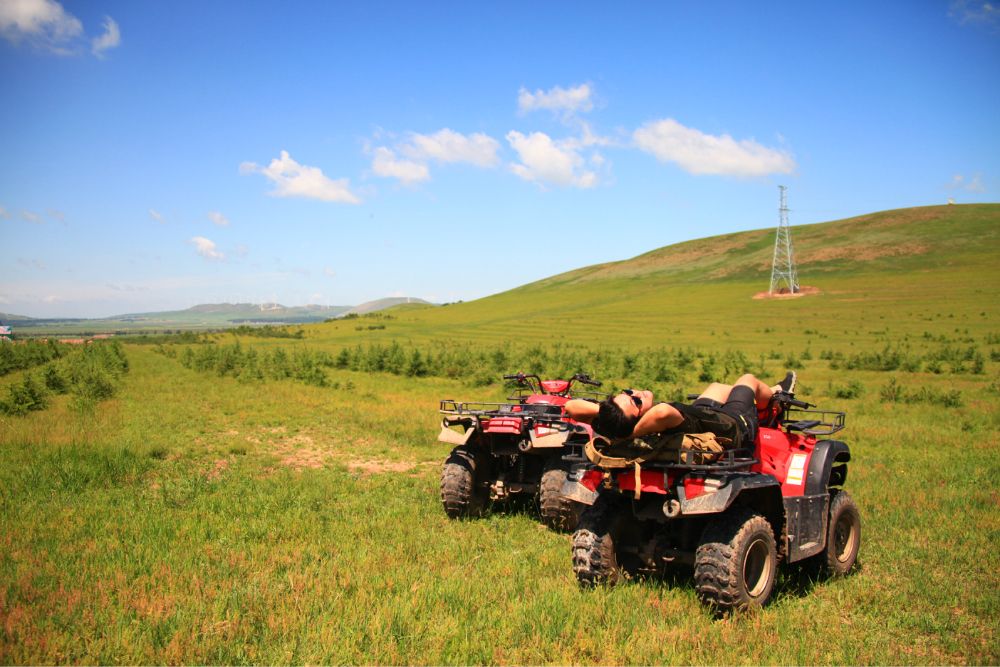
8,318
243,313
204,316
382,304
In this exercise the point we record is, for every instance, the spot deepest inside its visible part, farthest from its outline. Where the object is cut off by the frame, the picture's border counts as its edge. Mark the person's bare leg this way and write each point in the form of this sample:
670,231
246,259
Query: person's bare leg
762,392
717,392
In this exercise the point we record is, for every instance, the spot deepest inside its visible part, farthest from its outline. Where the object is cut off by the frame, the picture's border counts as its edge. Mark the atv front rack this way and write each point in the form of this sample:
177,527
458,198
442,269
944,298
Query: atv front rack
813,422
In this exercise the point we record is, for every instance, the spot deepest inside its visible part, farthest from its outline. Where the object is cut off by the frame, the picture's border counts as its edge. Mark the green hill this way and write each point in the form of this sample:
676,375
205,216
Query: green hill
901,268
890,241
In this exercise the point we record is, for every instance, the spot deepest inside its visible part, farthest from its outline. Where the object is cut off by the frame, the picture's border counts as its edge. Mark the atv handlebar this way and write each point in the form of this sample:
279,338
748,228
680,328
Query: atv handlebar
795,403
535,382
583,378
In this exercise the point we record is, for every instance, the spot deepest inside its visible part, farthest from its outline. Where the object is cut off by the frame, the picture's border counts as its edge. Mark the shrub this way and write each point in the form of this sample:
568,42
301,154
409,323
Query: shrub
54,381
24,397
853,389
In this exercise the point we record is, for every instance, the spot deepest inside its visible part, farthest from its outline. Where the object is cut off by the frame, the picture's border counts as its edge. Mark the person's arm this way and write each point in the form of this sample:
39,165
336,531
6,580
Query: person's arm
581,410
657,419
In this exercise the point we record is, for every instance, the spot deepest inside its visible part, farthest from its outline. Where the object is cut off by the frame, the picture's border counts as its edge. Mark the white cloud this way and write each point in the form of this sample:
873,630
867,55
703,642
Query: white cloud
218,219
387,165
206,248
56,215
4,213
446,145
976,12
976,184
557,99
32,217
31,263
545,161
973,184
700,153
157,216
43,23
111,38
292,179
328,272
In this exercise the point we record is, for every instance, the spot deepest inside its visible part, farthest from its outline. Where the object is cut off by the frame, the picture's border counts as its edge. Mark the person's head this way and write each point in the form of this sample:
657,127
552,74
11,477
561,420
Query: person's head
618,415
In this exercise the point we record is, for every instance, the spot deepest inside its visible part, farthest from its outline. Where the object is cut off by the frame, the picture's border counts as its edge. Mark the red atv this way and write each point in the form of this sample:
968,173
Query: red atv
504,449
733,519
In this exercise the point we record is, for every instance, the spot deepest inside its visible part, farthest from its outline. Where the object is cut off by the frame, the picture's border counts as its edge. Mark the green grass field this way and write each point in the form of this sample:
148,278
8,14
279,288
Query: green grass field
277,502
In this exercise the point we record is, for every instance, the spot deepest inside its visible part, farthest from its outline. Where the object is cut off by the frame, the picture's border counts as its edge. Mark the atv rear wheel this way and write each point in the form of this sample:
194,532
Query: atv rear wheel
736,563
459,494
558,511
594,558
843,536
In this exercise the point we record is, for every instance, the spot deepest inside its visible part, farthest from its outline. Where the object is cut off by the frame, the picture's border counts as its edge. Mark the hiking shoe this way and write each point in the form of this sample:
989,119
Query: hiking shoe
788,384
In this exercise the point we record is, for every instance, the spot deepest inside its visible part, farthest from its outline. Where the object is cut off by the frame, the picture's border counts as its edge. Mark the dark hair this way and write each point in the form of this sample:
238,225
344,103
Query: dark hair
612,422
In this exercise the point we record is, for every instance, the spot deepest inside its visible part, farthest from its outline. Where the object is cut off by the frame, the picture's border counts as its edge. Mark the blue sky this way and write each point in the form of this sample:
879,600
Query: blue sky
161,155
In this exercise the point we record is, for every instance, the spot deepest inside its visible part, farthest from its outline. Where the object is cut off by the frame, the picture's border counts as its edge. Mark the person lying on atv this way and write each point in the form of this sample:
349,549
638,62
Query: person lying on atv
727,410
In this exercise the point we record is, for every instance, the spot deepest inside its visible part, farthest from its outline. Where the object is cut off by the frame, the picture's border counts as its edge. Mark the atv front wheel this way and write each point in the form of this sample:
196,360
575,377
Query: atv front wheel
736,563
594,558
843,536
459,494
558,511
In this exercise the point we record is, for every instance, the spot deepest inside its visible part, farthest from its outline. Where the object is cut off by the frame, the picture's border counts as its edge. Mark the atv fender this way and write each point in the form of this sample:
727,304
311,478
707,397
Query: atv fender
825,455
727,493
453,437
557,439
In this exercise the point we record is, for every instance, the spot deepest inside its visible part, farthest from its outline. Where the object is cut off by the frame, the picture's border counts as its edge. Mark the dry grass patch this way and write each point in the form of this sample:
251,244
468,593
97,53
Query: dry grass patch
377,466
862,252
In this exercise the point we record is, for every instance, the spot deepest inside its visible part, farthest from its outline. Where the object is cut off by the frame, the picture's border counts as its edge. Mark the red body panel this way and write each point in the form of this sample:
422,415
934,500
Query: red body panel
653,481
546,399
591,479
555,386
784,456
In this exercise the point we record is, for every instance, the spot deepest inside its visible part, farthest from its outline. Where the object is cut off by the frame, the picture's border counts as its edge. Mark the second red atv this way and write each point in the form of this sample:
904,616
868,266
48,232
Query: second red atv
515,448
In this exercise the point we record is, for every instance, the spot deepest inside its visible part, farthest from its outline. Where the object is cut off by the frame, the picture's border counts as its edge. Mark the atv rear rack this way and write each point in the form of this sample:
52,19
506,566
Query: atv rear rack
537,411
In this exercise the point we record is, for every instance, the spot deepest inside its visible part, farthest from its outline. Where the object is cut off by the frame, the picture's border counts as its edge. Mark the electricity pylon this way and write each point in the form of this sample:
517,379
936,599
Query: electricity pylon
783,265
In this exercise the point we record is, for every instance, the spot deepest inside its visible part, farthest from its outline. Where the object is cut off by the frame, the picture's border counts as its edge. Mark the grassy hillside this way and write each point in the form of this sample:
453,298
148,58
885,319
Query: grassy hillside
920,265
275,500
906,239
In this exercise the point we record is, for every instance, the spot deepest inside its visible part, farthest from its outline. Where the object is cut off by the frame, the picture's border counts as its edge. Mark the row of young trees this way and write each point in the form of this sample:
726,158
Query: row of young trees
478,365
249,364
90,374
28,354
946,358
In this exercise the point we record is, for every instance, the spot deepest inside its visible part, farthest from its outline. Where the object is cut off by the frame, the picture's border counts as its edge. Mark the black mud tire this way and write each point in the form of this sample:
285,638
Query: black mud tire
594,559
459,494
843,537
557,511
736,563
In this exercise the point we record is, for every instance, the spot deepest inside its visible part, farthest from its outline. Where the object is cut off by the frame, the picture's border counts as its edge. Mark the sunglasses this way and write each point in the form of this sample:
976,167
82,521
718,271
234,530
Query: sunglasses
631,393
